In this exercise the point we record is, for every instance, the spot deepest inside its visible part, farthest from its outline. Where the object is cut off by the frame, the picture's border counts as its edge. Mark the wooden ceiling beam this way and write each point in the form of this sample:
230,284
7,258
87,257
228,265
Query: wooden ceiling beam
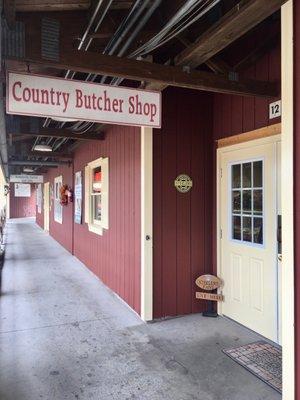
243,17
101,64
59,133
52,154
53,5
234,24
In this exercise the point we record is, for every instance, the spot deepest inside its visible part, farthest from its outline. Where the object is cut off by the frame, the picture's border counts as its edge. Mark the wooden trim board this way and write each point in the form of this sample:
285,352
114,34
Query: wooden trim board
270,130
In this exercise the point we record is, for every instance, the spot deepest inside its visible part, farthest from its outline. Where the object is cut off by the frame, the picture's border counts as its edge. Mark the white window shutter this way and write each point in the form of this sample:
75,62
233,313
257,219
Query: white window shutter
105,193
87,194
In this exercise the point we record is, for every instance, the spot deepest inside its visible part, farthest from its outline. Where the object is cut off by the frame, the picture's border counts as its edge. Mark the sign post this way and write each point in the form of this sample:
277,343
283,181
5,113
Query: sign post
209,283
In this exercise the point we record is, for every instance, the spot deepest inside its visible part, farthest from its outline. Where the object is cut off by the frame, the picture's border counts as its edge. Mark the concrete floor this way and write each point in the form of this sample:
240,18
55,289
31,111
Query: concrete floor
63,335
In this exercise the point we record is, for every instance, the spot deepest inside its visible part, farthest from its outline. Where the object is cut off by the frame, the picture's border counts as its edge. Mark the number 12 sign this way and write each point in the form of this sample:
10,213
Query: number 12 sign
275,109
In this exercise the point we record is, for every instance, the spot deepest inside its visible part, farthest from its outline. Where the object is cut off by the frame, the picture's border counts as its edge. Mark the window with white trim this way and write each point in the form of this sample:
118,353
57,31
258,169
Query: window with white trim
247,198
96,195
57,205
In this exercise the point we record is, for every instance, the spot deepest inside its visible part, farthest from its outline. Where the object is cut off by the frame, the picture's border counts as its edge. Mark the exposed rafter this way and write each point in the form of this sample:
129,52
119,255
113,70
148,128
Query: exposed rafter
160,74
53,5
53,154
241,19
60,133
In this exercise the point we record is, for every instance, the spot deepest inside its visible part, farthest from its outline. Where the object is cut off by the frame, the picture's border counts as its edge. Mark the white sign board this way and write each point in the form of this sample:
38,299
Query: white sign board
39,197
29,94
26,178
78,198
22,190
275,110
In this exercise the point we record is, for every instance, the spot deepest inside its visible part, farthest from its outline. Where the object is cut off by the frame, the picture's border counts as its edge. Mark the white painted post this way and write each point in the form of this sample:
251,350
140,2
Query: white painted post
146,224
287,66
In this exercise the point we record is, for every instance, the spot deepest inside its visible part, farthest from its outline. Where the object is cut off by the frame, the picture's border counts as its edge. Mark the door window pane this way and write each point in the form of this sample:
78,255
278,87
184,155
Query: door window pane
236,228
236,202
258,230
247,172
257,174
257,202
247,202
247,229
236,176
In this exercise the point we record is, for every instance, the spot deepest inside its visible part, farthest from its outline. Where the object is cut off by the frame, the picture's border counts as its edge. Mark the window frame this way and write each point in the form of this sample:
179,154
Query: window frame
231,214
94,225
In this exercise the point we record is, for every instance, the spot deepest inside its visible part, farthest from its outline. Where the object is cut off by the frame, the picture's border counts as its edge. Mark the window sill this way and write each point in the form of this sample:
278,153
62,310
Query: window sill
96,229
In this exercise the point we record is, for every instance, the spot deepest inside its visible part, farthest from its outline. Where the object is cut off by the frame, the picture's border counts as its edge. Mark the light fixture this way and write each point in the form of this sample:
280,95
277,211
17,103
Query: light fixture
28,169
42,147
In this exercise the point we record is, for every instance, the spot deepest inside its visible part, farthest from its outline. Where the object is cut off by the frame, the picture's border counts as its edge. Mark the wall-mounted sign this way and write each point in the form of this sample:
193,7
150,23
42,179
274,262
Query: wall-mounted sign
275,109
209,296
26,178
78,198
29,94
183,183
208,282
22,190
39,198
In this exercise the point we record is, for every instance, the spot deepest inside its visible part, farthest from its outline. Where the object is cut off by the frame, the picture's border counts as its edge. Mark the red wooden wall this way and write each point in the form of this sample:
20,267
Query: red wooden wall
297,187
182,222
61,232
21,207
238,114
115,256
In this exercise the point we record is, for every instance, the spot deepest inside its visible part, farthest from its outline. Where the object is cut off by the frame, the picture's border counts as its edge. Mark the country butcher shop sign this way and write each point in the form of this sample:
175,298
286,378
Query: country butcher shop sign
36,95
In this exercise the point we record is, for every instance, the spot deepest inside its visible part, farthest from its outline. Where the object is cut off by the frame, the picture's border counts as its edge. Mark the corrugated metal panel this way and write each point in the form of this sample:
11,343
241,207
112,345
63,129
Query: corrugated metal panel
13,40
50,39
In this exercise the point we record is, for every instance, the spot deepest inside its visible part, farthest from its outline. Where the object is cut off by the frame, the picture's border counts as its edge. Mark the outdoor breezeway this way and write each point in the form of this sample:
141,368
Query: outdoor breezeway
64,335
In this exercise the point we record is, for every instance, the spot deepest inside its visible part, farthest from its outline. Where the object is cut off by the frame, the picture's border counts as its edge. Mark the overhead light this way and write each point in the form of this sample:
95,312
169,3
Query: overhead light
42,147
61,119
28,169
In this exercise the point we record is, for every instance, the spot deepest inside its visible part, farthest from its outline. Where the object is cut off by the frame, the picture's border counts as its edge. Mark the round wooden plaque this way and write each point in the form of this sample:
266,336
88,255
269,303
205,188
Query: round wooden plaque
208,282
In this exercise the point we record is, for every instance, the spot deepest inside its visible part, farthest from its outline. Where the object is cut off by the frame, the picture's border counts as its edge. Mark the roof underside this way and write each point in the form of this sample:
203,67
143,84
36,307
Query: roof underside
160,31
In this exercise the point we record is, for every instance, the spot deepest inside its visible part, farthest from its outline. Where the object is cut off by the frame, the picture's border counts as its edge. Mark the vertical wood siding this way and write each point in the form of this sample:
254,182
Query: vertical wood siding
238,114
182,222
21,207
114,257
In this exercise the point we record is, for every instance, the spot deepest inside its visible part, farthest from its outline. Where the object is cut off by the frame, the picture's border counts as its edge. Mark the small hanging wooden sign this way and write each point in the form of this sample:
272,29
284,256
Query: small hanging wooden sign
209,296
208,282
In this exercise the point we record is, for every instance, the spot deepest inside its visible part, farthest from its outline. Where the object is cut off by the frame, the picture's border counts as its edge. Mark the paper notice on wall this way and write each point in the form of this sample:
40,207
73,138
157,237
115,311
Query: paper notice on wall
78,198
39,198
22,190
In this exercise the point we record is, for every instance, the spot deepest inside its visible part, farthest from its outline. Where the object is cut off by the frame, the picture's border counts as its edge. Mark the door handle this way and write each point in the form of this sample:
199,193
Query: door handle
279,257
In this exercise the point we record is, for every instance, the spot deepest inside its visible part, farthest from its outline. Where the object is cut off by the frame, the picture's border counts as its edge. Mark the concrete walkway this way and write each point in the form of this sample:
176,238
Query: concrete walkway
63,335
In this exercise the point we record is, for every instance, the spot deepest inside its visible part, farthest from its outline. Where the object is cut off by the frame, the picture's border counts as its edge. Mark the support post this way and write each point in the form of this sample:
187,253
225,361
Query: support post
146,224
288,299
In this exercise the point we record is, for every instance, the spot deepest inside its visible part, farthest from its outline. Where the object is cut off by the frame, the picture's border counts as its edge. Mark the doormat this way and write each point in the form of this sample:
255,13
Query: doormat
262,359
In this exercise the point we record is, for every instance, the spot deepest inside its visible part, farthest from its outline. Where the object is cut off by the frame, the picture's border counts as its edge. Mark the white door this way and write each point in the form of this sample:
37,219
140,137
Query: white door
248,246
